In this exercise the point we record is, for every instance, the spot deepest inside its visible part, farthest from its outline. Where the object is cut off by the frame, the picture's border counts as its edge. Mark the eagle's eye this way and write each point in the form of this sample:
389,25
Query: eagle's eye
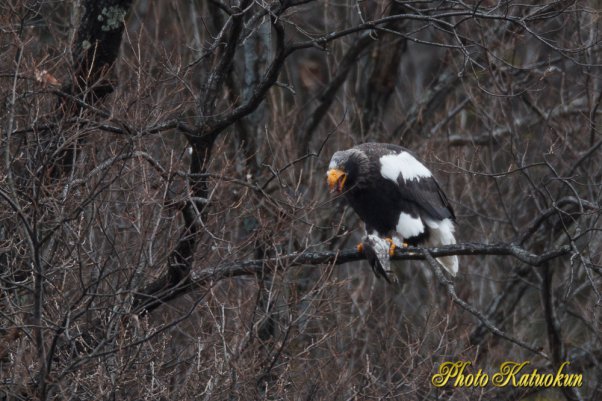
336,179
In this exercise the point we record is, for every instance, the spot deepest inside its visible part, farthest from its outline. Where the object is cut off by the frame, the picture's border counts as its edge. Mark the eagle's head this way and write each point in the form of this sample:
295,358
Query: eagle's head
345,169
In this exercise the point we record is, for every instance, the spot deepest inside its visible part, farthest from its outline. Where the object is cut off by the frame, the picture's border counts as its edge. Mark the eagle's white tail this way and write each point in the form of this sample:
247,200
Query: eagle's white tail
442,233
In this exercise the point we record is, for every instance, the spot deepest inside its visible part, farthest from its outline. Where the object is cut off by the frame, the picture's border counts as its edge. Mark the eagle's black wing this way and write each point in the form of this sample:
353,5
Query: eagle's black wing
422,195
428,196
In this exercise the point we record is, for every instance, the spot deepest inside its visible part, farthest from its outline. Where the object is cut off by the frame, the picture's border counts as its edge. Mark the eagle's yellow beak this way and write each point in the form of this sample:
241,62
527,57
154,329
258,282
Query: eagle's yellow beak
336,179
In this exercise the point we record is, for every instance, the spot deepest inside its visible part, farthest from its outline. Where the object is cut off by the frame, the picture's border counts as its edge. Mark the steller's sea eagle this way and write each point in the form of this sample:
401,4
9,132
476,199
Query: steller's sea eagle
397,198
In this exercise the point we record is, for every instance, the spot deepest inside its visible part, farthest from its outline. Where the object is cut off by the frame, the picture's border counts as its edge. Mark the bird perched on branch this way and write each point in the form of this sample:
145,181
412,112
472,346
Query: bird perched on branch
397,198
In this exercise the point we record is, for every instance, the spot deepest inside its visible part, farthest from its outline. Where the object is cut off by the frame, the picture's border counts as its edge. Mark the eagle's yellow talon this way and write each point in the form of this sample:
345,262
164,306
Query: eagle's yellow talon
392,246
360,247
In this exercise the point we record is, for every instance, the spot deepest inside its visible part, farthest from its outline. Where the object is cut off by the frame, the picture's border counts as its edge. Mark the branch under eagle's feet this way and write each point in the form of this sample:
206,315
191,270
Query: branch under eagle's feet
338,257
378,252
392,246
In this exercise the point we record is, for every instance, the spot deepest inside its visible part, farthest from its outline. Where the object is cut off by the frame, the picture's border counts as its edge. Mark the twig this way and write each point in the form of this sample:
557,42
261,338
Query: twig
451,290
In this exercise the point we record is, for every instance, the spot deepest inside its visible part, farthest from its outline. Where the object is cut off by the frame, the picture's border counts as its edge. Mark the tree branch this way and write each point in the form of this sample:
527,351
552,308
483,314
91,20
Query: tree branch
451,290
257,96
327,96
154,295
217,76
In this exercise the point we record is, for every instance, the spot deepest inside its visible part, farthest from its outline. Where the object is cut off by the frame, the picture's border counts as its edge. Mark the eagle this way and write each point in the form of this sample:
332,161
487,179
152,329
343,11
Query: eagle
397,198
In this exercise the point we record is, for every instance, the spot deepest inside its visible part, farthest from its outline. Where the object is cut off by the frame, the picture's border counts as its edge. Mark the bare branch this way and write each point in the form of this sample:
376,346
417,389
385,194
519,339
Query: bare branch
253,267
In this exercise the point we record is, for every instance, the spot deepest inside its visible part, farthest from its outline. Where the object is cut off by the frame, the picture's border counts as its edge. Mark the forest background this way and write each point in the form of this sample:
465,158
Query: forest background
165,227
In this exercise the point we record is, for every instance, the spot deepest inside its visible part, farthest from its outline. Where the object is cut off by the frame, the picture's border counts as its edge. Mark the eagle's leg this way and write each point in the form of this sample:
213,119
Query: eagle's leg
360,247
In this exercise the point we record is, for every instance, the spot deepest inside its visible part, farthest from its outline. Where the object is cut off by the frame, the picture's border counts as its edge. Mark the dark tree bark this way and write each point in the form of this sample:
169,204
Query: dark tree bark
385,65
96,47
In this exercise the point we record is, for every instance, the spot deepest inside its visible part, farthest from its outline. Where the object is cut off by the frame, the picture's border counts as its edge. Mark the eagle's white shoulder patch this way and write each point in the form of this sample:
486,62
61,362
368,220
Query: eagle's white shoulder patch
404,164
